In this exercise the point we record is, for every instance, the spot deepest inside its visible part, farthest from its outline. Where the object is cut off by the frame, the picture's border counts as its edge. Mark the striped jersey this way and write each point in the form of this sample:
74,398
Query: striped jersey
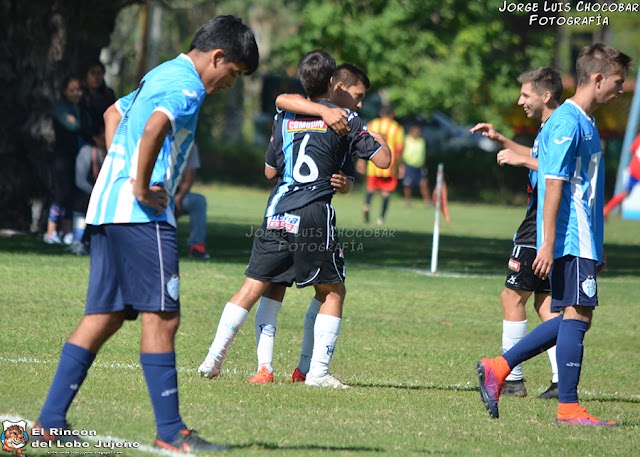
175,89
393,134
306,152
570,150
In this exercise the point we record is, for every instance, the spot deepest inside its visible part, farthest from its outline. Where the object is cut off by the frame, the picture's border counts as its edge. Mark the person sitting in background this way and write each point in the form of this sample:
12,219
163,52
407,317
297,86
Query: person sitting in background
96,96
413,166
67,127
88,163
194,205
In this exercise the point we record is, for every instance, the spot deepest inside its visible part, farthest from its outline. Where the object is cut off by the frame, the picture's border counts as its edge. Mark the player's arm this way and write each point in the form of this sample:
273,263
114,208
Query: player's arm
544,258
270,172
506,143
112,118
517,159
382,158
153,135
335,118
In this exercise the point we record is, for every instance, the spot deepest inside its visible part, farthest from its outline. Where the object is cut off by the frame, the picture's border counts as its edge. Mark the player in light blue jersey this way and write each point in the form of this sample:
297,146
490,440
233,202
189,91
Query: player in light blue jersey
134,255
570,236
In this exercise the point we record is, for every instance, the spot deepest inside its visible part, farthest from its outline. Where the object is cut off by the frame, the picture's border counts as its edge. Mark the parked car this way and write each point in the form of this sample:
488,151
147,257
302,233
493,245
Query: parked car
443,135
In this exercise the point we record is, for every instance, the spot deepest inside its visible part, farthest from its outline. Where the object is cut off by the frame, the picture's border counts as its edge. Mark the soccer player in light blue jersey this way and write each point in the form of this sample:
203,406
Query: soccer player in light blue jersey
134,255
570,234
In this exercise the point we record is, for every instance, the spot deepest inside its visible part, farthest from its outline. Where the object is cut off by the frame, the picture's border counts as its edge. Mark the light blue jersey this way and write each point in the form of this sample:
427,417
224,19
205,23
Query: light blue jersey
570,150
175,89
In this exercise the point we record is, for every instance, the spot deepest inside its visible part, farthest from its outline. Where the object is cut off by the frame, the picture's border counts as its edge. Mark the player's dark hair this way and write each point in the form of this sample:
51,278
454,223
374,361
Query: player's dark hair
544,79
232,36
600,58
350,75
315,70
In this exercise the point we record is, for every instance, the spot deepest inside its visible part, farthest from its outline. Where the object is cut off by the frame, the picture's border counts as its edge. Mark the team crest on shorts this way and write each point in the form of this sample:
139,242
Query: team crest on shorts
173,287
514,265
14,437
589,286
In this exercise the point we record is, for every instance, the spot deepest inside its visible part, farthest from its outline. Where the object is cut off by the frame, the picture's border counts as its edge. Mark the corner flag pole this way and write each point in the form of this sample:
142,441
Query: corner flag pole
436,223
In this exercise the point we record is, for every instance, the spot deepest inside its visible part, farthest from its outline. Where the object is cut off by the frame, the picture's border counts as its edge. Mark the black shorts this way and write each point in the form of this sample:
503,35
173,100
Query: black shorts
520,275
301,246
574,283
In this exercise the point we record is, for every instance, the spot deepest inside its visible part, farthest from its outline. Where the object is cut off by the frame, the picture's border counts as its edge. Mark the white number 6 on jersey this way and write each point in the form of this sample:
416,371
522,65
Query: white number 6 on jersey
305,159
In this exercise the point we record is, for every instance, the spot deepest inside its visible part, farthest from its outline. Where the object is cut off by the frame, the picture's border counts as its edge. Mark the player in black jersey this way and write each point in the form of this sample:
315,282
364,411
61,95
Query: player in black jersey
539,96
299,227
349,86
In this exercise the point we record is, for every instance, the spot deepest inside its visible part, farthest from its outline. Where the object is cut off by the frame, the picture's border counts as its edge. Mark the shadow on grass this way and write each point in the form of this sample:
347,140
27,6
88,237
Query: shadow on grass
374,245
414,387
321,448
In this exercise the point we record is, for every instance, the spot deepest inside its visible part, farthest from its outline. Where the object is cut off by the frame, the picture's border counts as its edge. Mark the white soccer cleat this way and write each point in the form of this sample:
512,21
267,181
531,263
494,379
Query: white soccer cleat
328,380
209,368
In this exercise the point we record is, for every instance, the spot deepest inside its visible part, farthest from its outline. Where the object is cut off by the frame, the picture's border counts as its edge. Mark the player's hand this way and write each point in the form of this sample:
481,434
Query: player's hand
154,196
486,129
543,261
341,183
509,157
401,171
178,209
336,119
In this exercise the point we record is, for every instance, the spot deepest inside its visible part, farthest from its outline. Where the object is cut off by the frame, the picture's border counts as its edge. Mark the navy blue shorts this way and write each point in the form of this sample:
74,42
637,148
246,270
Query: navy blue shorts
413,176
573,282
134,267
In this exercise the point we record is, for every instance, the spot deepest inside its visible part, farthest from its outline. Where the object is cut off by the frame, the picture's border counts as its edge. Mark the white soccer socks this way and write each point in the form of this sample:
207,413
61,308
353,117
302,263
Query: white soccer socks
554,364
512,333
325,337
233,316
307,336
266,323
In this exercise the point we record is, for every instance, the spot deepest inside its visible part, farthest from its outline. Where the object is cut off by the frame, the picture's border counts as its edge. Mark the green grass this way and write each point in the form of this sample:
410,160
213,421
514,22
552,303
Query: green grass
408,346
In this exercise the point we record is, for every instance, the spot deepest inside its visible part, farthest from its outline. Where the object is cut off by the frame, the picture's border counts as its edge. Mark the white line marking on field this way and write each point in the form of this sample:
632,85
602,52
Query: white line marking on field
454,275
109,438
246,373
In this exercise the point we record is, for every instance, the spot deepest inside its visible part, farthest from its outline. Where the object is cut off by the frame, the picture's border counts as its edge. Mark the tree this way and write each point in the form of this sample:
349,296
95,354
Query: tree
41,42
454,55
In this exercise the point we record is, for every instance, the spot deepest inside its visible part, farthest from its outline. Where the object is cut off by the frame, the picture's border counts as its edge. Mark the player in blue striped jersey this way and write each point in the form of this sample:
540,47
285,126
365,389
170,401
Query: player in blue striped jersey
570,235
134,256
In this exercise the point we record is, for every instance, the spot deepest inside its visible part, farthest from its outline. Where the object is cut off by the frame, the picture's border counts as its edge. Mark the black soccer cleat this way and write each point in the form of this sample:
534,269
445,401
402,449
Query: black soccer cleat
551,393
515,388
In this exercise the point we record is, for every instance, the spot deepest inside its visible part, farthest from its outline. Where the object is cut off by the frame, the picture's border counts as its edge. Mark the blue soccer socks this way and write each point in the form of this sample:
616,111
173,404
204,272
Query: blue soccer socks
538,340
162,381
569,355
72,369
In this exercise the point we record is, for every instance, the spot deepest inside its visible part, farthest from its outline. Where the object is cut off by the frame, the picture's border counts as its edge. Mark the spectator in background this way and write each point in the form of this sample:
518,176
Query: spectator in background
378,179
96,96
194,205
88,163
67,127
413,167
632,180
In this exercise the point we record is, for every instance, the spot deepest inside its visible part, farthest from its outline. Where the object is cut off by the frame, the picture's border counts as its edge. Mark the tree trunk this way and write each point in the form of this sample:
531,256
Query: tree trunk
41,42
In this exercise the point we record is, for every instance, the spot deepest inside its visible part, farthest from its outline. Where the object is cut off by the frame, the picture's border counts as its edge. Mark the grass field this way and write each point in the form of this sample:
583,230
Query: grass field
408,346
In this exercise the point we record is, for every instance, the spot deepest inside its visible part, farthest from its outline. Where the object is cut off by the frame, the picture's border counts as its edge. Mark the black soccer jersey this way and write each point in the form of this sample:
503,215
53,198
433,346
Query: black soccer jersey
306,152
527,232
